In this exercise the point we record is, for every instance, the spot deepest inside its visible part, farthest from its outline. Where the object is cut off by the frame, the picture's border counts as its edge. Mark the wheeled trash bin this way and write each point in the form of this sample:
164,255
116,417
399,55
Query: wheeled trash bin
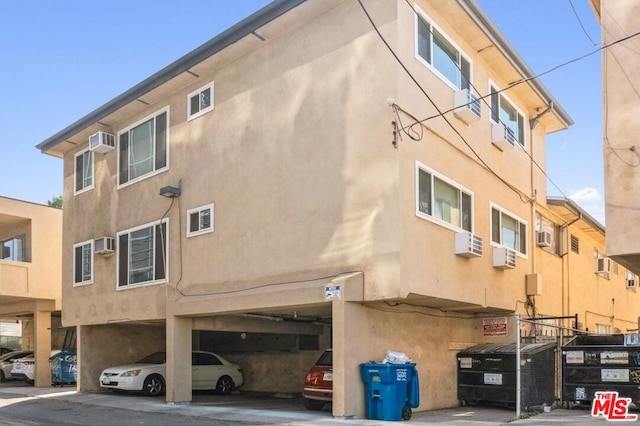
391,390
64,368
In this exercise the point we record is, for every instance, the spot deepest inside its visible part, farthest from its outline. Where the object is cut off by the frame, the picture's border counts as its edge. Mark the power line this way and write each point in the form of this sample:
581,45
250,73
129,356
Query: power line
440,113
584,30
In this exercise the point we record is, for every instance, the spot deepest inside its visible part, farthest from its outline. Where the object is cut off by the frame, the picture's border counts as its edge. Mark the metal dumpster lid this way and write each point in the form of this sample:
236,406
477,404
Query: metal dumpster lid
507,348
596,340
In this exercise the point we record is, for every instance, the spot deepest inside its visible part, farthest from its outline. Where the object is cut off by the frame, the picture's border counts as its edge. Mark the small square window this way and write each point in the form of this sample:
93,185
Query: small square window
200,220
200,101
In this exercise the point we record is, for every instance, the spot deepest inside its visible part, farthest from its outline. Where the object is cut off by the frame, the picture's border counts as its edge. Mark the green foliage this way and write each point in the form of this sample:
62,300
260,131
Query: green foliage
55,201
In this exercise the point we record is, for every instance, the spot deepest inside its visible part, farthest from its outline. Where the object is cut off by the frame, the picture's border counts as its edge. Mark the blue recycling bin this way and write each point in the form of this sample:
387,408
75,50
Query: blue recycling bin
391,390
64,368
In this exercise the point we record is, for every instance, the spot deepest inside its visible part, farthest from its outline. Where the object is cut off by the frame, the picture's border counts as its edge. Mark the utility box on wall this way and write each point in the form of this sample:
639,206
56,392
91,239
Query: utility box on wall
533,284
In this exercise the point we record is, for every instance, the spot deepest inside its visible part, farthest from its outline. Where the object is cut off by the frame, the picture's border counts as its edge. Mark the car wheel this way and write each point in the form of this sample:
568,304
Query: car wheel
30,382
224,385
313,404
153,385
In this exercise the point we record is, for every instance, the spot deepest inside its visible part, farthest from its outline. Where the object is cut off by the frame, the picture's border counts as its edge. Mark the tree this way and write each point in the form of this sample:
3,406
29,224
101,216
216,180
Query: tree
55,201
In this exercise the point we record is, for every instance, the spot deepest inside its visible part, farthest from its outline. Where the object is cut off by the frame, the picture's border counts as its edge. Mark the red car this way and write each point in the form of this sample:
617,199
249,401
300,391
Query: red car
318,385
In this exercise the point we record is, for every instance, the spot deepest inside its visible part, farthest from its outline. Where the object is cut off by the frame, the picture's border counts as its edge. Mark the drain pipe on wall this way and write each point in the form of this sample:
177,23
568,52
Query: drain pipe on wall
518,386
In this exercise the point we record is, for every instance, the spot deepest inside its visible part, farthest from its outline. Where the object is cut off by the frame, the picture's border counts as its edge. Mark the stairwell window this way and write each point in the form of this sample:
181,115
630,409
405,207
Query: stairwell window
83,171
437,51
508,230
83,263
200,220
200,102
143,148
503,111
142,255
442,200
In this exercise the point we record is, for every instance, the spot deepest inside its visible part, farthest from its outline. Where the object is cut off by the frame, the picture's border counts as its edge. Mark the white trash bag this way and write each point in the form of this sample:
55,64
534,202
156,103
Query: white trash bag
393,357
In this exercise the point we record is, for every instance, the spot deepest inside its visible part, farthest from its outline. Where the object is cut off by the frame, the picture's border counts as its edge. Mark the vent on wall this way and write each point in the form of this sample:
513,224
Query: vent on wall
502,136
543,239
466,106
102,142
603,266
504,258
468,244
103,245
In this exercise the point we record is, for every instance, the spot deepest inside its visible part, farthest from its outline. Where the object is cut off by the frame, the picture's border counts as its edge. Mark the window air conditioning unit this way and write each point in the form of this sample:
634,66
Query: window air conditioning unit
102,142
603,266
632,284
103,245
468,244
466,106
543,239
504,258
502,136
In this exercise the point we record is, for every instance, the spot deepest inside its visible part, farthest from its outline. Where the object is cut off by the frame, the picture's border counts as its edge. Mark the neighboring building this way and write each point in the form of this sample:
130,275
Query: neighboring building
259,198
30,277
620,28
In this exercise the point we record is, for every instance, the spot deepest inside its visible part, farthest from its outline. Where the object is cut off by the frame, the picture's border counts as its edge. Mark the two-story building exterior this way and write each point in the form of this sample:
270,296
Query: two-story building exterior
362,175
30,277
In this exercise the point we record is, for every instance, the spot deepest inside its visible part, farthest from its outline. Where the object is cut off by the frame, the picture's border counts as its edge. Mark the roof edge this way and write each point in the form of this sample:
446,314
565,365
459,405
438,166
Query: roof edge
579,211
223,40
476,13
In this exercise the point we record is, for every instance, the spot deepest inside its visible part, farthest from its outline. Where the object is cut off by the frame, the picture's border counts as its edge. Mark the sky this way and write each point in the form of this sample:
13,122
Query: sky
63,59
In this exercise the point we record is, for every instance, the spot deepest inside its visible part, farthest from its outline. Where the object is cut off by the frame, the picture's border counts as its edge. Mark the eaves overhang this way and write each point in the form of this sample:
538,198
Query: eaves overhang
475,12
578,211
228,37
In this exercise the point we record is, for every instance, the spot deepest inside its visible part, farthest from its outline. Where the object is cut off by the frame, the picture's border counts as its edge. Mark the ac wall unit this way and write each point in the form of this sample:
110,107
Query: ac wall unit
502,136
466,106
632,284
102,142
468,244
603,266
543,239
103,245
504,258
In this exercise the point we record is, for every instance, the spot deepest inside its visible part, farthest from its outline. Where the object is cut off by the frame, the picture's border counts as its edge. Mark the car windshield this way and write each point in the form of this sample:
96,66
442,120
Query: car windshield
154,358
326,359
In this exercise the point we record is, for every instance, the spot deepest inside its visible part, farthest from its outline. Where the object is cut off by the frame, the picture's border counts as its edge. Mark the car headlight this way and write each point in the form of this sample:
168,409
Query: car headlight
130,373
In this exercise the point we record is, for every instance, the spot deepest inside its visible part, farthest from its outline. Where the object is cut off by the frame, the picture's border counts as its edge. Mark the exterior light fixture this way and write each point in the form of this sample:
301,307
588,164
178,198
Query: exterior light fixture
170,191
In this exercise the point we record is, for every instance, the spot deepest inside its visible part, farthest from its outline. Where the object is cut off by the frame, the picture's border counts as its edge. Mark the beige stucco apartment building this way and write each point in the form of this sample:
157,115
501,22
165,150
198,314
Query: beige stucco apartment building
272,193
30,277
620,40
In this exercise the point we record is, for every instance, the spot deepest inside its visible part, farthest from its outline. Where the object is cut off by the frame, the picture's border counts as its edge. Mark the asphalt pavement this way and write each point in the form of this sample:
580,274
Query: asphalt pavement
270,410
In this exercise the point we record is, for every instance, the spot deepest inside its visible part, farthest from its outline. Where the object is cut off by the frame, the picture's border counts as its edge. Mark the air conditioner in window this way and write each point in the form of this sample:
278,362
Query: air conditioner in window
504,258
103,245
502,136
603,266
468,244
632,284
102,142
466,106
543,239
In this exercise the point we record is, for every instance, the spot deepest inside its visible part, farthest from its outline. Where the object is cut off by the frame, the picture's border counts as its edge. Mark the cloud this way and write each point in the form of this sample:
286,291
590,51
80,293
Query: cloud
591,201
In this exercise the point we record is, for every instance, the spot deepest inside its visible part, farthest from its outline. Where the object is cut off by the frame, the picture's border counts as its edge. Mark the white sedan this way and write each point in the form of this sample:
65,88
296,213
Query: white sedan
208,371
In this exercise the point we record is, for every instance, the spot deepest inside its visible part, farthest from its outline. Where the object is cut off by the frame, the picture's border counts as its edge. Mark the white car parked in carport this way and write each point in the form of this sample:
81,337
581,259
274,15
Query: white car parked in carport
208,371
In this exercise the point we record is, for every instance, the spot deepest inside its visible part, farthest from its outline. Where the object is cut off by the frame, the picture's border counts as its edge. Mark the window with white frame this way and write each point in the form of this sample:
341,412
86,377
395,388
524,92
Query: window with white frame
15,249
503,111
603,329
142,255
143,148
200,220
83,171
438,52
83,263
546,227
200,101
508,230
442,200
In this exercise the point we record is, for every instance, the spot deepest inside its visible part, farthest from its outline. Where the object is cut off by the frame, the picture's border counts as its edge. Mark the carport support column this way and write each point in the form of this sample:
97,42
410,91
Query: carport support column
179,359
42,347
